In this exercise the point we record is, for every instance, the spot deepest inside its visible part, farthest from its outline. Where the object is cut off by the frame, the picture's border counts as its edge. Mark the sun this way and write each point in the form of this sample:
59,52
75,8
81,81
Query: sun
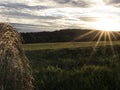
108,31
106,24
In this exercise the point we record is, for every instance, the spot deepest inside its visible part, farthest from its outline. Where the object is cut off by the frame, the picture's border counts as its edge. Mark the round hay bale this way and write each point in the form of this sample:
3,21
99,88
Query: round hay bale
15,72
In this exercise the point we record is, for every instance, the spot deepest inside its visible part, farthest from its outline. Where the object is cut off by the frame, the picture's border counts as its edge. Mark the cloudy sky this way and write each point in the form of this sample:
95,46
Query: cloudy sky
49,15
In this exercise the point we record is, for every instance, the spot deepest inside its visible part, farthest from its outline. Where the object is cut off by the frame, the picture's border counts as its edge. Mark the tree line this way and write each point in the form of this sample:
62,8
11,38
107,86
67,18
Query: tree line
68,35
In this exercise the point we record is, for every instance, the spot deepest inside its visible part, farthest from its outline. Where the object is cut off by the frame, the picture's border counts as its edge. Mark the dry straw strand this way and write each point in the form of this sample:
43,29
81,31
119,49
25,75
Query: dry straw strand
15,71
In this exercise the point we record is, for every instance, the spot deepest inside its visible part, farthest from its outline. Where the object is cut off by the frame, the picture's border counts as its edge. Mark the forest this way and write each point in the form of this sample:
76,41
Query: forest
66,35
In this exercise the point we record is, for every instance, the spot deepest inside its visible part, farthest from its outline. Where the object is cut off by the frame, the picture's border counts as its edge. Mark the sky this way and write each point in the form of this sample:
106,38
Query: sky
50,15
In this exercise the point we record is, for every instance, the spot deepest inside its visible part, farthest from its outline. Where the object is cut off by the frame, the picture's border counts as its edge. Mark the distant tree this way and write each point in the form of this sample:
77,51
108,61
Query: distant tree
66,35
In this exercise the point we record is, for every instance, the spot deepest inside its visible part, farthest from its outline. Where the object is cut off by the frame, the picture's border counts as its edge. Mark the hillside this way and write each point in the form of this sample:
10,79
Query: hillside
67,35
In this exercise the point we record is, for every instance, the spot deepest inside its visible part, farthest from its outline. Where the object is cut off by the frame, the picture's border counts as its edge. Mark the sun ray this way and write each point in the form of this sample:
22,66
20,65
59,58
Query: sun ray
105,39
106,30
110,41
84,35
117,34
96,35
113,35
98,41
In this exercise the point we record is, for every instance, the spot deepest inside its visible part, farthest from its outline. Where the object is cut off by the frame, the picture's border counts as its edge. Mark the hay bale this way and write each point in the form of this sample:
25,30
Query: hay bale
15,72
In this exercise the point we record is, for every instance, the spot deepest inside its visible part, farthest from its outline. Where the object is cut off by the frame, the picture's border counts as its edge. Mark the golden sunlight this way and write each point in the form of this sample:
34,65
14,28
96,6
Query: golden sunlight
106,24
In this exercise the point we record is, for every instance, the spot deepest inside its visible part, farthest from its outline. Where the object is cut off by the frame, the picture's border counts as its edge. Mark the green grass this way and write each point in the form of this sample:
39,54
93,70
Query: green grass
43,46
73,66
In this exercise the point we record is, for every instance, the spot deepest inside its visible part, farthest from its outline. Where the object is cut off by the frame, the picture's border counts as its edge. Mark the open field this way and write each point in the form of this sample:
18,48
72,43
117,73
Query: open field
43,46
71,66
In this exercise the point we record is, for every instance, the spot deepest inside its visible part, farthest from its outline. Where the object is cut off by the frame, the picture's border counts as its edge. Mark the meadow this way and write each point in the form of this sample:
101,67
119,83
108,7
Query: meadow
75,65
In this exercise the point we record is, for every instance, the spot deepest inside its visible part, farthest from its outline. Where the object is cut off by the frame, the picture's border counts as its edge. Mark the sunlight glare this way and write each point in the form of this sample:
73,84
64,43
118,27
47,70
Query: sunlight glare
106,24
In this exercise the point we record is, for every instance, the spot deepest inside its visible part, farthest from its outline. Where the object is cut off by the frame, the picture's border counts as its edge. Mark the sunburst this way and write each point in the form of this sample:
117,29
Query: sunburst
106,36
106,24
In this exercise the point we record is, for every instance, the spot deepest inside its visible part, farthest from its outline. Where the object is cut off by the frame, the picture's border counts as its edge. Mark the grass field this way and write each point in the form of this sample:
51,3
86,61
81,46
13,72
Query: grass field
71,66
43,46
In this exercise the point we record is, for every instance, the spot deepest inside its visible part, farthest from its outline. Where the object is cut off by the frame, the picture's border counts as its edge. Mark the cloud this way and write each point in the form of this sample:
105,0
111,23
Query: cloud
20,15
115,3
26,27
88,19
39,15
112,1
81,3
67,3
21,6
34,28
62,1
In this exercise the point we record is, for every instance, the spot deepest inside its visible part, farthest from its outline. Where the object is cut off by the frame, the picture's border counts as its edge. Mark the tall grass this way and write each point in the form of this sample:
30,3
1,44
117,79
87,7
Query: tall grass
76,68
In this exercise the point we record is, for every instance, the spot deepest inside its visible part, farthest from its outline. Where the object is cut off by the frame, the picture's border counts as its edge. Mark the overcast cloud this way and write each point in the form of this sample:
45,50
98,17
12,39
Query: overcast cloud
50,15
